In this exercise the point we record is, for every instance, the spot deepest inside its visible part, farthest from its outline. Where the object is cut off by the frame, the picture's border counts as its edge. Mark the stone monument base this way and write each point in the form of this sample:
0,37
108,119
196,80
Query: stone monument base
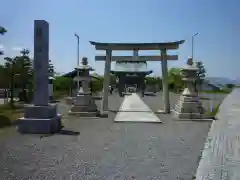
40,120
84,105
189,108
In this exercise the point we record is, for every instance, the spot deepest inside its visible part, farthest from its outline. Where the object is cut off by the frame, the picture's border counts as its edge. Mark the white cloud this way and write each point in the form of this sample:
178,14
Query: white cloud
17,48
1,46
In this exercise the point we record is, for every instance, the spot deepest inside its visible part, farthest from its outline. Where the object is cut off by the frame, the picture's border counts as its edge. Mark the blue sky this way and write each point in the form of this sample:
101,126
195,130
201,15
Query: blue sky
216,21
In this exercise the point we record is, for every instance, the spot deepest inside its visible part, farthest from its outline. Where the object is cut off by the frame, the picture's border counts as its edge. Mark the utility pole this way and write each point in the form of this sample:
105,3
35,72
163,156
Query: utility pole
77,48
78,83
195,83
193,44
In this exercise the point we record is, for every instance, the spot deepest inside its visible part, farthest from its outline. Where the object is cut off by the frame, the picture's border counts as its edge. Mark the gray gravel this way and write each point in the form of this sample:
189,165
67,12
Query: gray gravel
105,150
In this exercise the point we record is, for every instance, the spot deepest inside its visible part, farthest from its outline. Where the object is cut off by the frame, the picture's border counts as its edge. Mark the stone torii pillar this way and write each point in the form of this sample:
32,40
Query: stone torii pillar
104,106
165,81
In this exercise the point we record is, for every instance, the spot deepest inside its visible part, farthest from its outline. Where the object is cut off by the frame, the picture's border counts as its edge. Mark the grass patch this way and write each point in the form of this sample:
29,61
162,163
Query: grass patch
214,112
59,94
223,91
9,115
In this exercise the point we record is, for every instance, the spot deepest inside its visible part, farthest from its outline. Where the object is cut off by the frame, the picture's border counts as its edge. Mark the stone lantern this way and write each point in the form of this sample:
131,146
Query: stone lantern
189,106
83,103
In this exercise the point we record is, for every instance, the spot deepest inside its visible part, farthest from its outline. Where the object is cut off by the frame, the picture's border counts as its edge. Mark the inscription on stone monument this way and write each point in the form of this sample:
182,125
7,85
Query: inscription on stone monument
39,32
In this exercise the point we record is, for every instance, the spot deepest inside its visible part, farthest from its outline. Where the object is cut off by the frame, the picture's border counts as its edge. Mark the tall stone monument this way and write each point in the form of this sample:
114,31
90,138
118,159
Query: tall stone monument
189,106
84,103
40,117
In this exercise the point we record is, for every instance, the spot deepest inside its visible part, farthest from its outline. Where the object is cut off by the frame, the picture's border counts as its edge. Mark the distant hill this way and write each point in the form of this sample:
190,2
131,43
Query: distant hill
221,81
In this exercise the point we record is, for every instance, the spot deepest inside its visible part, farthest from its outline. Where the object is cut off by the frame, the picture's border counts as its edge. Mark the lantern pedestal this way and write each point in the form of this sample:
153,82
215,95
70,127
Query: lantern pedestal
189,106
84,104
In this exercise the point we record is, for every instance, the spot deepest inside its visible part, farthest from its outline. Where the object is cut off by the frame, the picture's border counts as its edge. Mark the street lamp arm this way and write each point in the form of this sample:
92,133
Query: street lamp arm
76,35
195,34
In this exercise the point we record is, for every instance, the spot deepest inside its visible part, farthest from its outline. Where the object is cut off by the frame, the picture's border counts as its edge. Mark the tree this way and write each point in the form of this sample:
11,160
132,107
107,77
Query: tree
51,70
3,79
113,80
24,52
230,86
9,75
62,83
2,32
24,71
175,79
19,74
201,74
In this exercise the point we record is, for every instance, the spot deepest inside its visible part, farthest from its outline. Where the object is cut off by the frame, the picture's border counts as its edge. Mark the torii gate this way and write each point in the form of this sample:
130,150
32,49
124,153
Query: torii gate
135,47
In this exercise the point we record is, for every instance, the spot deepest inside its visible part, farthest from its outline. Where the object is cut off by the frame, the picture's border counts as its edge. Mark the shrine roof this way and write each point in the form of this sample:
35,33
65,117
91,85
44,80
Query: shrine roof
137,46
131,67
74,73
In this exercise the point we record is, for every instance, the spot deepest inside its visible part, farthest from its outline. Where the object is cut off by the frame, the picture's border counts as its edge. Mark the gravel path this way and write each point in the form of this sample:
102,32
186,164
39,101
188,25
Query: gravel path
99,149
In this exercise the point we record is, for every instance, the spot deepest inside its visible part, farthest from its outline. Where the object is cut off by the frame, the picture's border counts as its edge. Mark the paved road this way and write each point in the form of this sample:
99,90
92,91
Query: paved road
105,150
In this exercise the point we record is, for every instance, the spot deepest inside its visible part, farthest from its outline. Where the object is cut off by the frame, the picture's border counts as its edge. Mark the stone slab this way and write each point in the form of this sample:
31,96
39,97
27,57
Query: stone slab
189,107
39,126
84,105
84,114
133,109
221,156
84,100
137,117
190,116
40,112
91,108
134,103
189,99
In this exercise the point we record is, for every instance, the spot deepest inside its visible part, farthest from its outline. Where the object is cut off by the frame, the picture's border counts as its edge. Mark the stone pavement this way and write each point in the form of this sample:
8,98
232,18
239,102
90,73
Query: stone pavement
99,149
133,109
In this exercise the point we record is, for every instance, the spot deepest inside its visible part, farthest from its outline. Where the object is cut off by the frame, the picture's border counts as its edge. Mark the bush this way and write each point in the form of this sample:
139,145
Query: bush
59,94
5,120
62,83
96,85
8,115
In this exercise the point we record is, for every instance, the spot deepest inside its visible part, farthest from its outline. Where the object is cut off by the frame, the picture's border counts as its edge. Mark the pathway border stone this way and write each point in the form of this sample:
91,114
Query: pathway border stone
221,155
